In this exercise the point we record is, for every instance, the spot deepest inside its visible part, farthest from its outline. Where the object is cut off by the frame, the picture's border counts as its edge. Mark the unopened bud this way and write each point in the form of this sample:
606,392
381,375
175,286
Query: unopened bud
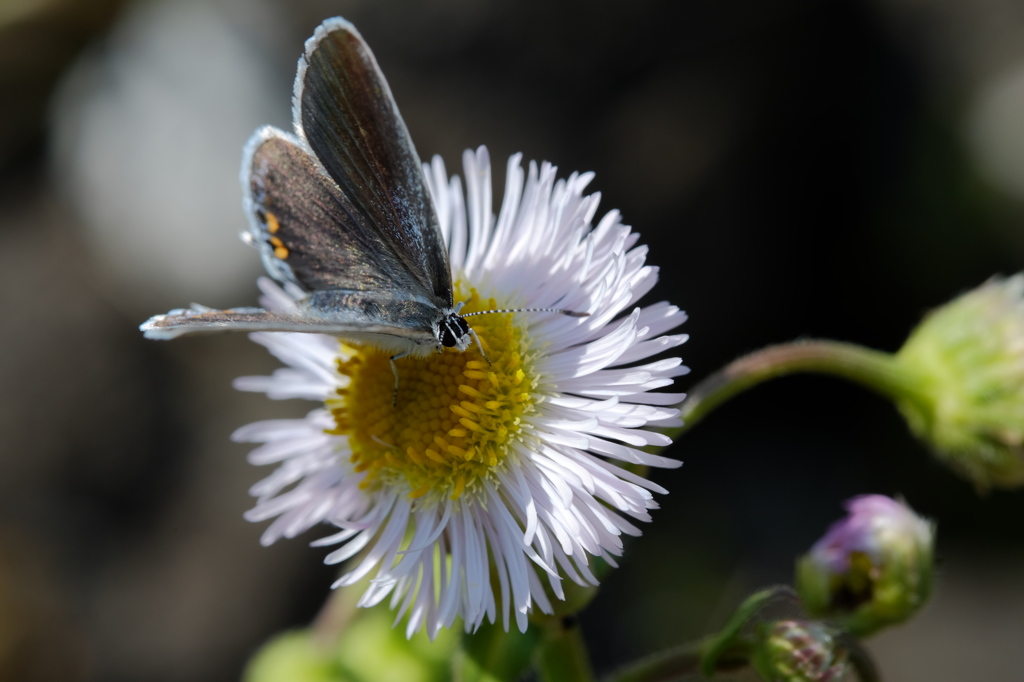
871,569
799,651
969,357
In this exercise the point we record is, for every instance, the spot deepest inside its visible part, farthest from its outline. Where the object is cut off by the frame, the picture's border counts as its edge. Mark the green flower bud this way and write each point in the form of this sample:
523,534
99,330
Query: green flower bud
969,357
799,651
871,569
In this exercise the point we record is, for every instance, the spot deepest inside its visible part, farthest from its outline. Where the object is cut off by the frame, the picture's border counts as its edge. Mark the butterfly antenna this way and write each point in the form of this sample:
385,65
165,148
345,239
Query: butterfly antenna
560,311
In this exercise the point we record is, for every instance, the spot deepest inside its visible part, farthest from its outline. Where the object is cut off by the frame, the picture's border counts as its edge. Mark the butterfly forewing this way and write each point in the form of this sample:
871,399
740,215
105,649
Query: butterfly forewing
345,112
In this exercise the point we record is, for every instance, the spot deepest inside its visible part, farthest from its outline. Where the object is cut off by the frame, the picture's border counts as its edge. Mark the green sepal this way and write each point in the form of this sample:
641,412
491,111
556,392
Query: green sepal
729,642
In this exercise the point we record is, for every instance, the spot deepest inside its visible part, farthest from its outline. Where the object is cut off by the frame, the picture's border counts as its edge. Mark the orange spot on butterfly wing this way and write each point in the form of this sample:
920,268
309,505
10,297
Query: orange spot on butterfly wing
272,224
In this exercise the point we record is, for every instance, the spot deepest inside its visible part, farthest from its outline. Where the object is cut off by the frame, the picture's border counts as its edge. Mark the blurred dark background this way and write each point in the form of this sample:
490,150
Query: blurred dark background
798,168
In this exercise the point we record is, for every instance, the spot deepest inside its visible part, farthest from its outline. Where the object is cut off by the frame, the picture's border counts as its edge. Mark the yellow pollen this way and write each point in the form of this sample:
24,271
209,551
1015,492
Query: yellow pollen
457,415
281,252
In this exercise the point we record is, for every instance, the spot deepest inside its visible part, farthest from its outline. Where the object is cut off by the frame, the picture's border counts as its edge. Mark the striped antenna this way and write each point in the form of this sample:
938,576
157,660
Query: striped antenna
570,313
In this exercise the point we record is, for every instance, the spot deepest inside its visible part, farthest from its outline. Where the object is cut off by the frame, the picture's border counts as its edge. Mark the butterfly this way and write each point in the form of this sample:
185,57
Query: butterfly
341,211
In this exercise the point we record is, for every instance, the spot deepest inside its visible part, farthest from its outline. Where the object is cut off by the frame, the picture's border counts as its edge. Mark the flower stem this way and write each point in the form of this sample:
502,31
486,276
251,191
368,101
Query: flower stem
334,616
563,654
727,650
664,665
679,661
879,371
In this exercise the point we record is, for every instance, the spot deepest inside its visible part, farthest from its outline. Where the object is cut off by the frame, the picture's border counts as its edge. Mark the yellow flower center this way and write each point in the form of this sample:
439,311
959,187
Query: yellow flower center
456,417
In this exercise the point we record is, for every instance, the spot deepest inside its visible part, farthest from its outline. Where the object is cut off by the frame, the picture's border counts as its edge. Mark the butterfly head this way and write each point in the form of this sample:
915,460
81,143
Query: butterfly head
453,332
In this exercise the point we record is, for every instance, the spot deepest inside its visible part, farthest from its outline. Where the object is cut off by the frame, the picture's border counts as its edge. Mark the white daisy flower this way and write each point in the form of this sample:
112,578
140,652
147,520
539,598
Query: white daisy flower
505,468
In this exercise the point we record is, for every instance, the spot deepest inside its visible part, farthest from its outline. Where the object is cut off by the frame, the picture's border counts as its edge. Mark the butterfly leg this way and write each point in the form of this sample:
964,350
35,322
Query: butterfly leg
479,346
394,368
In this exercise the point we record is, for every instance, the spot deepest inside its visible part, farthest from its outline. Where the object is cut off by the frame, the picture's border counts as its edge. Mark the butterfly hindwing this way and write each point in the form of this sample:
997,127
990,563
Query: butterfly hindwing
307,231
345,112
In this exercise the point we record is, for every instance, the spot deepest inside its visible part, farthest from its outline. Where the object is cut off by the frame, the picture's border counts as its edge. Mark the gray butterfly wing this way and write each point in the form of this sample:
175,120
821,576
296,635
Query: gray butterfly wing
351,224
345,112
